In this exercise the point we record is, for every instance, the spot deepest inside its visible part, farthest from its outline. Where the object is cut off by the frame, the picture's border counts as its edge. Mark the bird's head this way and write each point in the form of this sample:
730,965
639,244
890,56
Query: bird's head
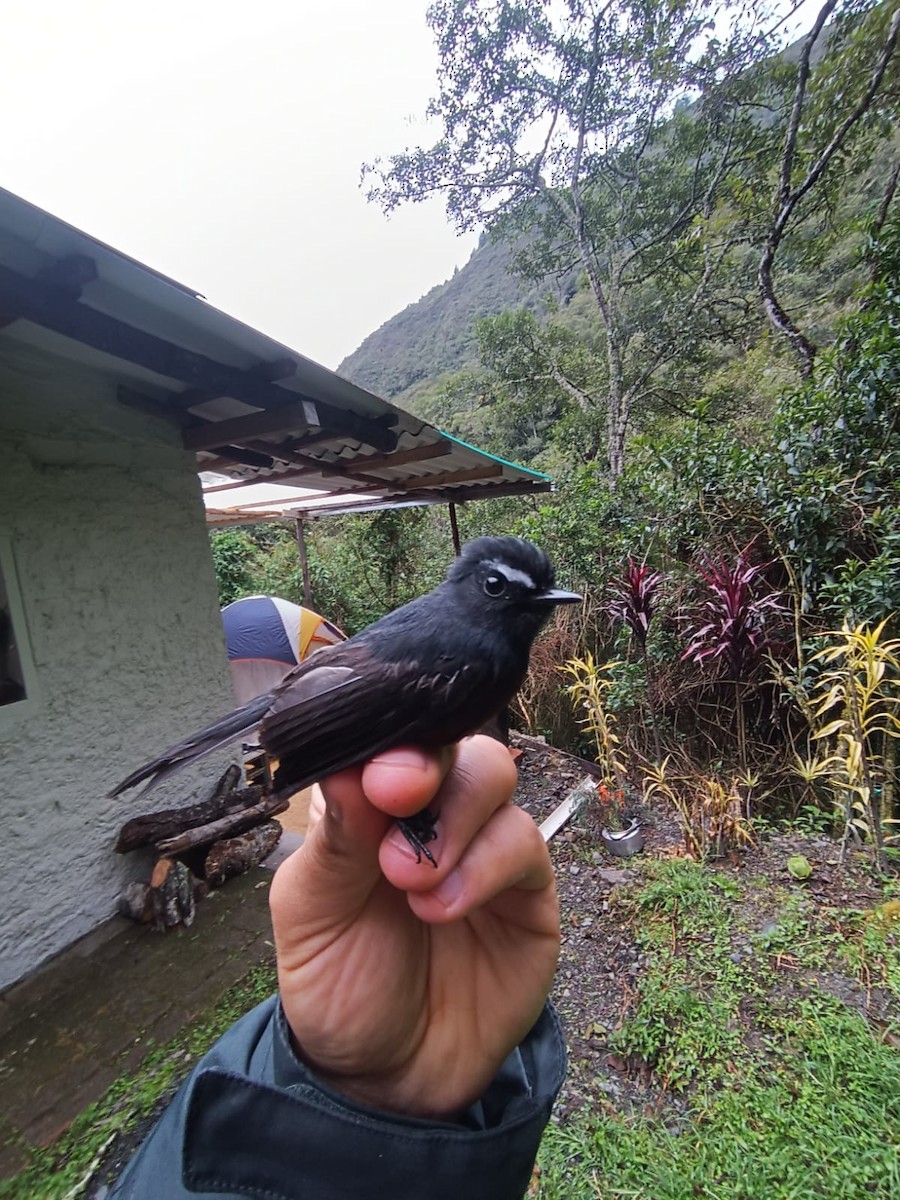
509,580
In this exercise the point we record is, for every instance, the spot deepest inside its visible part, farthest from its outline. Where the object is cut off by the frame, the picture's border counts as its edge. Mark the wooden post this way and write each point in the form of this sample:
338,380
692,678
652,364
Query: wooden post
304,563
454,528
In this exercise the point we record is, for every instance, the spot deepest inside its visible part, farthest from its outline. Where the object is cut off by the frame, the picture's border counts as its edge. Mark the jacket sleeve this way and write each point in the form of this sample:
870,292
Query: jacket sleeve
252,1121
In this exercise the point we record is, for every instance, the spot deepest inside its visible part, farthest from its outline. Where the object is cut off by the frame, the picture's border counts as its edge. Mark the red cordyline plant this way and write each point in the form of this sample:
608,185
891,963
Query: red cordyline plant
733,629
634,603
634,600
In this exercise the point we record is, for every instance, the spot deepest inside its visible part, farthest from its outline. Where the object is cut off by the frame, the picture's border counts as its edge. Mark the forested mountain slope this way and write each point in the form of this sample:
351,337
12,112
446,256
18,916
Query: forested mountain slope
435,335
661,305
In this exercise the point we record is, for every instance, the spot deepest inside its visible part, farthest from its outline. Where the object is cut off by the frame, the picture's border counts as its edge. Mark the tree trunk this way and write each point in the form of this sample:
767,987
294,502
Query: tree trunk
618,401
802,347
617,421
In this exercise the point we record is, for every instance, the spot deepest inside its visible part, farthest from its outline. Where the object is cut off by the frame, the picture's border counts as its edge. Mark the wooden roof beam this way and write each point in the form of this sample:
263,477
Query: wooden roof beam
268,372
200,430
42,304
69,276
363,489
320,469
439,481
386,462
218,516
245,456
253,425
459,495
285,452
392,487
280,453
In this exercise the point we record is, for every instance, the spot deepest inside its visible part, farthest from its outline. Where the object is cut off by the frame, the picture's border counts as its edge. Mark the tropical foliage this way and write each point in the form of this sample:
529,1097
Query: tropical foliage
685,307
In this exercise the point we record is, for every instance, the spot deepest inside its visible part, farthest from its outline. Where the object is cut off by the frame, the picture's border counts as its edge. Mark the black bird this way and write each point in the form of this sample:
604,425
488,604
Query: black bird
427,674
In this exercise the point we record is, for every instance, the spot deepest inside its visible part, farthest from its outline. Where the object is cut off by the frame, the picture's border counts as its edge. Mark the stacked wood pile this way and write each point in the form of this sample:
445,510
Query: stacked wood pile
197,847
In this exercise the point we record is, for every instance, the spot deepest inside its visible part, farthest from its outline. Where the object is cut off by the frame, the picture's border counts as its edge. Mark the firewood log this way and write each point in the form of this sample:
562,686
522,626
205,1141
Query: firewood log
227,826
167,900
155,827
234,856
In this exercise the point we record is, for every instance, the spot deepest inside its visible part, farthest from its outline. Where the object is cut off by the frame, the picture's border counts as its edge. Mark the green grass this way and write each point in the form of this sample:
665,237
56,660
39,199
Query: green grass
786,1092
63,1170
790,1093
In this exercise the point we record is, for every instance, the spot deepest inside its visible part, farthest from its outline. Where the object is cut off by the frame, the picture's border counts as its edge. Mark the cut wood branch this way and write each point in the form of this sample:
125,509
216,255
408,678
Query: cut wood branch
150,828
171,894
584,793
227,826
235,856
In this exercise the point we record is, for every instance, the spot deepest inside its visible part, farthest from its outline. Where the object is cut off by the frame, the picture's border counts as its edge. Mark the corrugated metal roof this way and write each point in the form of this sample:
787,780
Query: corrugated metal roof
264,420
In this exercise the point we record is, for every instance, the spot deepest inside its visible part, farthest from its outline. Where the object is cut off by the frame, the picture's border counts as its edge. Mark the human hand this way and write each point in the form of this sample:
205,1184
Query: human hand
406,987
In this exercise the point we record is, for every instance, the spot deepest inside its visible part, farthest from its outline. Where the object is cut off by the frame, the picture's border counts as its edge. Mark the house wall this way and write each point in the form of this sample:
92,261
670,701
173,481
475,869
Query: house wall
103,511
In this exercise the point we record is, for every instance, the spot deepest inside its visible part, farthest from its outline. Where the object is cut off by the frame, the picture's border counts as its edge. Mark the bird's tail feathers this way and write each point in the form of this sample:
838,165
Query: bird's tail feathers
220,733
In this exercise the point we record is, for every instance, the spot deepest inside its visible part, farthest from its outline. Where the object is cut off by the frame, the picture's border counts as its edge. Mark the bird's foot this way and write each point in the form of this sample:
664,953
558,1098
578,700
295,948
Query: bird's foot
418,831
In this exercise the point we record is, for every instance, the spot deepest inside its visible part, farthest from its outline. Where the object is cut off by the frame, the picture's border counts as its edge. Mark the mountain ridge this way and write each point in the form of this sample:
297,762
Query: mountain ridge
434,335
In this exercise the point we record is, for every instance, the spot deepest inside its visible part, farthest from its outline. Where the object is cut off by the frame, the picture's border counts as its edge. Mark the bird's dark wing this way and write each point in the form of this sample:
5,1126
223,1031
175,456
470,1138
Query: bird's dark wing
344,705
355,705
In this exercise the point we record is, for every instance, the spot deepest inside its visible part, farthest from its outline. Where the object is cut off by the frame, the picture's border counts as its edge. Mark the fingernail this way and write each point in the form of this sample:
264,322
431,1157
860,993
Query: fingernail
407,756
398,840
450,890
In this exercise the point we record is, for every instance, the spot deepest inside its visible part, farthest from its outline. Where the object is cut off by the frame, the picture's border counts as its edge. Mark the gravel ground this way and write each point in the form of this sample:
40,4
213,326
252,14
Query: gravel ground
601,962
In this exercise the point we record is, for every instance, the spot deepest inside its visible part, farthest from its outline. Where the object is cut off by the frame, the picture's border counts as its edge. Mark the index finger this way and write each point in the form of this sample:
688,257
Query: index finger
405,780
482,780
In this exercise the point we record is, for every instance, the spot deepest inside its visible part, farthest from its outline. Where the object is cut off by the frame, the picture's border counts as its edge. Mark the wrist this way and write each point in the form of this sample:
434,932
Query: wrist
389,1092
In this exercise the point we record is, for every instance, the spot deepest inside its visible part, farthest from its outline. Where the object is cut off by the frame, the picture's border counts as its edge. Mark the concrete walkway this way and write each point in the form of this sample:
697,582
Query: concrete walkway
97,1009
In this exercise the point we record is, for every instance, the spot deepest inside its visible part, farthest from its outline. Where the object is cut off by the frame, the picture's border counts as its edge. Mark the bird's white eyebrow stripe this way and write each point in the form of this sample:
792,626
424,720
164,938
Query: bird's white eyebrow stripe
513,574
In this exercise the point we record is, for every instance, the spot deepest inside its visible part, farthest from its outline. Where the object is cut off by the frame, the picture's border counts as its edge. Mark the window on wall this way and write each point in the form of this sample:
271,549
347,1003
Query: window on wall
16,672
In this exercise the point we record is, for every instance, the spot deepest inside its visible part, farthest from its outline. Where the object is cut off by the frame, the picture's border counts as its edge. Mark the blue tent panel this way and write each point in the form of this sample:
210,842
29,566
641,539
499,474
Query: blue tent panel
254,629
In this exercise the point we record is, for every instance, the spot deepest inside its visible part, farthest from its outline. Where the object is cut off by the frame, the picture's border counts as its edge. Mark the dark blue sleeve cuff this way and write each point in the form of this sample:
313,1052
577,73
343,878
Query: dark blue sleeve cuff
253,1121
299,1138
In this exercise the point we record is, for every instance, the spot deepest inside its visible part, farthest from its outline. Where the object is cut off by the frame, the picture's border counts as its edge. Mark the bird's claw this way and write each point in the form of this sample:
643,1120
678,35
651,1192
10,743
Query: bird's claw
418,830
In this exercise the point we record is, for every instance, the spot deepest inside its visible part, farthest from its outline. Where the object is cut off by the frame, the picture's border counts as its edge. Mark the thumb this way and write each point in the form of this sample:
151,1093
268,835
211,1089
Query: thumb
333,873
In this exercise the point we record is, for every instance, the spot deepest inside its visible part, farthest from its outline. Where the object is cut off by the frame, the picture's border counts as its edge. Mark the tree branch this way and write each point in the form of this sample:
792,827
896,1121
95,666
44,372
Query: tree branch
788,199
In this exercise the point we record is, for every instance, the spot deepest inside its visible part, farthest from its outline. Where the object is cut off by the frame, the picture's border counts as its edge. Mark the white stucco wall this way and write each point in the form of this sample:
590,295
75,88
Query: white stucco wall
104,513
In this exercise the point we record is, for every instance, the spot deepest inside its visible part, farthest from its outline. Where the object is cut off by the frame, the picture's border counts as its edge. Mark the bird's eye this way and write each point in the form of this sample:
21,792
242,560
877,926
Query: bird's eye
494,585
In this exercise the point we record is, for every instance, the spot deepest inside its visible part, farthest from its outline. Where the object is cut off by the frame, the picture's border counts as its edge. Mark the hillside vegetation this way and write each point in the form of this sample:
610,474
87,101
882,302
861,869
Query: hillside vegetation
687,310
704,351
435,337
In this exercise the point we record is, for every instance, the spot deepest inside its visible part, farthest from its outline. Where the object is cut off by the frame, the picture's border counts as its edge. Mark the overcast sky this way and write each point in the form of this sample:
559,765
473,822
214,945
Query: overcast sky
221,143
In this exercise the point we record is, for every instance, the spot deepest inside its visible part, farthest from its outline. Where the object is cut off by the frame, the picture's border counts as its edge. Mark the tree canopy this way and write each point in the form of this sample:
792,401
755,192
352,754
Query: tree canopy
637,141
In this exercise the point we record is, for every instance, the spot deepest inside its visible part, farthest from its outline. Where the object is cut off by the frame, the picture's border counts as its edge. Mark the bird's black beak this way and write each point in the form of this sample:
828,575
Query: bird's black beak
557,596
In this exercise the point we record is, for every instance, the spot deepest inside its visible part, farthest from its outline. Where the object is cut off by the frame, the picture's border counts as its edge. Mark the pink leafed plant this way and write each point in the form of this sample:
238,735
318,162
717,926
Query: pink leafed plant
734,619
731,627
634,603
634,600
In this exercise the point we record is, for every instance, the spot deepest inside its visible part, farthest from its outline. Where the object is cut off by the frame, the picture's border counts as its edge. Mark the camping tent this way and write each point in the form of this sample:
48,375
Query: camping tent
266,637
